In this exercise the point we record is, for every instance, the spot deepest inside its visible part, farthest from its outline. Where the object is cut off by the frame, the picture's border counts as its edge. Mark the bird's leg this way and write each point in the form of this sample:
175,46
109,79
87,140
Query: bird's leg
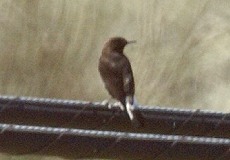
110,105
107,103
120,105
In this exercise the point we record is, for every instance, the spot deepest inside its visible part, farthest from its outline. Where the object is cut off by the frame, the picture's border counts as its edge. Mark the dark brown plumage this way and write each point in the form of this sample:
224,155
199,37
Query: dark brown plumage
116,73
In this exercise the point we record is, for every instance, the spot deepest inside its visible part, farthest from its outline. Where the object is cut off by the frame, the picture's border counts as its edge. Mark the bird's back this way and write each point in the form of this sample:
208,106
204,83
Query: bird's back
110,68
116,72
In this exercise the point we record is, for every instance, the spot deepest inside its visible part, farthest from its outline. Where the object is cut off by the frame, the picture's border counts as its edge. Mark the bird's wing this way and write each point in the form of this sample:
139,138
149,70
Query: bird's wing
129,89
128,80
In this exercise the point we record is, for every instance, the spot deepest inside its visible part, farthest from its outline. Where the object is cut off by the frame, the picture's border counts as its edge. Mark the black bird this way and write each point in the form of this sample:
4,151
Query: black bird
116,73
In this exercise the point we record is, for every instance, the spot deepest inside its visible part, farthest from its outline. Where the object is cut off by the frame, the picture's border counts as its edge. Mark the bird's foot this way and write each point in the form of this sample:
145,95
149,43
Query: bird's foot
107,103
111,105
120,105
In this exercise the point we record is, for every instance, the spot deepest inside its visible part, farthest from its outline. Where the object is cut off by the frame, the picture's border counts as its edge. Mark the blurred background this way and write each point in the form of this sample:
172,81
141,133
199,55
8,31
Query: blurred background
50,48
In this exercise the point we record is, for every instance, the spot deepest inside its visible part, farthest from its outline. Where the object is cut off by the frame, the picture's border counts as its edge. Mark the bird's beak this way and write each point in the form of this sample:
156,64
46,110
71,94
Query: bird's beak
133,41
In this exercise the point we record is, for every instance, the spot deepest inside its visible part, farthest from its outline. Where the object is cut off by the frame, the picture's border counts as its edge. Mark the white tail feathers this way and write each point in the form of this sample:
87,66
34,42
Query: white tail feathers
131,104
130,109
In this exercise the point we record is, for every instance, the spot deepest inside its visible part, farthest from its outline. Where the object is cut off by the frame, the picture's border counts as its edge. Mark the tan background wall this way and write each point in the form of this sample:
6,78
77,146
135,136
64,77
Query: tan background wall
50,48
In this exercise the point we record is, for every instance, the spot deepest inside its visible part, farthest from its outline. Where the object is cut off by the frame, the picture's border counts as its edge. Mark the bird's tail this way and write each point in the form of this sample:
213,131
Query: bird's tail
133,112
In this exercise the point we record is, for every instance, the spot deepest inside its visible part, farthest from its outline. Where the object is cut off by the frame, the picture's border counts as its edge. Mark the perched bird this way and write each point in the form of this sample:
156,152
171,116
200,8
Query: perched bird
116,73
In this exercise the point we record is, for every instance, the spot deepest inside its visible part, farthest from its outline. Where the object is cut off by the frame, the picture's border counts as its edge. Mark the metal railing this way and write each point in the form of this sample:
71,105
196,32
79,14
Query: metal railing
77,129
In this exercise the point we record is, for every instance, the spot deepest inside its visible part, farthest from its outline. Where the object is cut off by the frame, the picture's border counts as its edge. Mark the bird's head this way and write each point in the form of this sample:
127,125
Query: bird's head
116,44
